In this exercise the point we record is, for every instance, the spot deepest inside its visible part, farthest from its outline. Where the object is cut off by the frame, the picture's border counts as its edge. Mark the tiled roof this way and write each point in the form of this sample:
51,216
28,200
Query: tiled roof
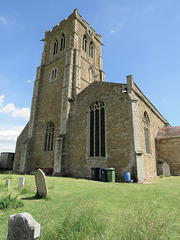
168,132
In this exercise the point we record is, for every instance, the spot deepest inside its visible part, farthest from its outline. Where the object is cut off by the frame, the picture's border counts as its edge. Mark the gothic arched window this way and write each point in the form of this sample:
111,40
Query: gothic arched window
147,132
62,41
97,130
84,43
49,137
55,49
91,49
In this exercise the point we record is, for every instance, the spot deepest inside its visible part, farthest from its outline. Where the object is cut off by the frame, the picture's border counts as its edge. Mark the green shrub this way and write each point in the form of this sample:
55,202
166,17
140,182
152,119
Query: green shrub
3,187
4,171
25,190
10,202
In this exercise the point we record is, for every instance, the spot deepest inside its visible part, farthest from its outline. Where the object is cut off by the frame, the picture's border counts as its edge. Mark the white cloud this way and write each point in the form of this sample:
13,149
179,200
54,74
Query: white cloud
21,112
16,112
29,81
1,100
8,138
11,134
112,31
3,20
7,148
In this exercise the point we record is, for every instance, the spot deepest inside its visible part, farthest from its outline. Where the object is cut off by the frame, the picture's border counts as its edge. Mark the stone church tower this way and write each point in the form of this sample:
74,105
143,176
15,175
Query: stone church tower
71,60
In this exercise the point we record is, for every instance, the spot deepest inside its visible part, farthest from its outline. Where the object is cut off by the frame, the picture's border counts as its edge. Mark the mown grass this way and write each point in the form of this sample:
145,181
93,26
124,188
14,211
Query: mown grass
79,209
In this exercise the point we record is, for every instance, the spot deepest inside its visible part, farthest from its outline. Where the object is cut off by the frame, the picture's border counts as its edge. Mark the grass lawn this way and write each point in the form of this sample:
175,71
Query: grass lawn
84,209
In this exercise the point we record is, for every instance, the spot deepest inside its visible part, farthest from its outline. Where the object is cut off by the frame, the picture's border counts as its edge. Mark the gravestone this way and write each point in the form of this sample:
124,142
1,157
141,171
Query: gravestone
41,184
23,227
166,170
21,182
8,183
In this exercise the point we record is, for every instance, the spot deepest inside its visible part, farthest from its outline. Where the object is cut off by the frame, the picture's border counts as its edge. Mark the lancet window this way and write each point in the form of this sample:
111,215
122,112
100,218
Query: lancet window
49,137
84,43
63,41
91,49
53,75
55,49
97,129
147,132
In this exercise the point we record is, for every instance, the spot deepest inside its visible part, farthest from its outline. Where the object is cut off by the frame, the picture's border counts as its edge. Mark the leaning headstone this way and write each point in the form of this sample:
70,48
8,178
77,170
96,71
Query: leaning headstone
21,182
166,170
41,184
8,183
23,227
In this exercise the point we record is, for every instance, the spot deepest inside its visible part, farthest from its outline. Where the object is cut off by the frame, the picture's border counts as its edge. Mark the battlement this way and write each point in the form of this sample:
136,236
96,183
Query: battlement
74,15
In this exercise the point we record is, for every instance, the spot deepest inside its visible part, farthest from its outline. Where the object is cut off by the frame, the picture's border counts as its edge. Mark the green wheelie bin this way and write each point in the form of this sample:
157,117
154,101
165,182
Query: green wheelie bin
110,174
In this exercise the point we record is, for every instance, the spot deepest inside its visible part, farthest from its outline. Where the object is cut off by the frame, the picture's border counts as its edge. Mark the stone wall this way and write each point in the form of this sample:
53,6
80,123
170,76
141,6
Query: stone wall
49,108
17,158
118,124
156,121
168,150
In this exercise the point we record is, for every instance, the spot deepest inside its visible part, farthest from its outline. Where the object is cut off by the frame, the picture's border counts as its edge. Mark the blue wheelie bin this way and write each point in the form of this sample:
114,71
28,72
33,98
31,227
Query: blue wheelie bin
104,174
127,177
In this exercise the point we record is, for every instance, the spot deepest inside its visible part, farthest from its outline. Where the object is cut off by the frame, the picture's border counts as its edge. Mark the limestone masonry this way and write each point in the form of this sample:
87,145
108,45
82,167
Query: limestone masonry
79,121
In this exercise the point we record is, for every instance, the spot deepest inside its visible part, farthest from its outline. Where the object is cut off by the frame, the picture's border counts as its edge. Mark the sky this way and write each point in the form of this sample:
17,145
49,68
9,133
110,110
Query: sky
140,37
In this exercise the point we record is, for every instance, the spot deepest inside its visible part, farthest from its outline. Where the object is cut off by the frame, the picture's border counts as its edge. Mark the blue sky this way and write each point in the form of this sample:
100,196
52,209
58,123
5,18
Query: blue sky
141,37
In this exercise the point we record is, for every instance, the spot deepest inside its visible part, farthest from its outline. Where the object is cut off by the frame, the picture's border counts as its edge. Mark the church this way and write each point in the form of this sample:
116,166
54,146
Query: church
79,121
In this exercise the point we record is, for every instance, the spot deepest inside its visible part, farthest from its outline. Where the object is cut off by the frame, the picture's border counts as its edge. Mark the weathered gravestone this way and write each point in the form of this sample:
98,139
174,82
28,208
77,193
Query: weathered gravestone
21,182
166,170
41,184
163,169
23,227
8,183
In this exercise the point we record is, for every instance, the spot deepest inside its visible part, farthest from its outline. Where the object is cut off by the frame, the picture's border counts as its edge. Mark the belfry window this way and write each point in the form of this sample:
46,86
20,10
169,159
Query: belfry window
91,49
55,49
63,40
84,43
97,130
147,132
53,74
49,137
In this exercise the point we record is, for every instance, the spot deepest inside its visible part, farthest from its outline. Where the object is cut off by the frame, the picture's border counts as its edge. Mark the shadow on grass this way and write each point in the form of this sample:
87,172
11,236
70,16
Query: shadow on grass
31,198
36,197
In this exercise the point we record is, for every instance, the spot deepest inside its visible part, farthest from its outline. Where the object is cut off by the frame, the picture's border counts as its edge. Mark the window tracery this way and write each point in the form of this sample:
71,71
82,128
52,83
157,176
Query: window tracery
97,129
49,137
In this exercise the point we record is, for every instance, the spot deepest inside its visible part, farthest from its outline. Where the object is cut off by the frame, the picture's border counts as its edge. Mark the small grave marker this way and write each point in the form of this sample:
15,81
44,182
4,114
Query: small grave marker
21,182
166,170
23,227
8,183
41,184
